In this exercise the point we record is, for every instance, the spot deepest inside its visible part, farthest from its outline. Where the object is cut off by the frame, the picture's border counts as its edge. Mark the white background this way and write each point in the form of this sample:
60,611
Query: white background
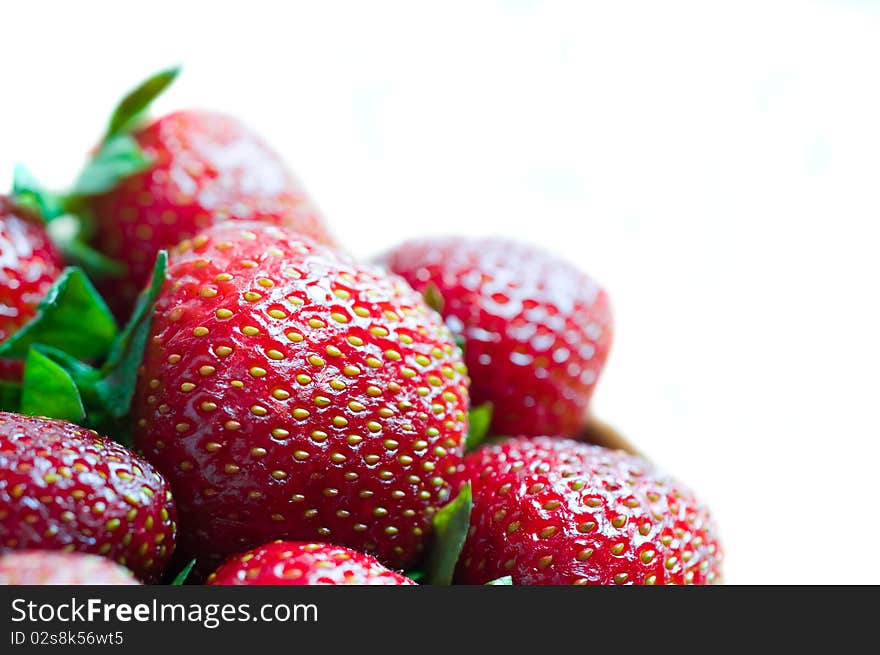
715,165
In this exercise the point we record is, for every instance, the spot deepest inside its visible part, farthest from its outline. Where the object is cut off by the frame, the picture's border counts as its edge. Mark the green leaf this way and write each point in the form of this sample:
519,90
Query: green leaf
106,392
84,375
31,196
96,264
505,580
460,342
479,419
48,390
135,103
72,317
119,157
88,383
415,576
181,577
119,372
10,396
72,232
451,525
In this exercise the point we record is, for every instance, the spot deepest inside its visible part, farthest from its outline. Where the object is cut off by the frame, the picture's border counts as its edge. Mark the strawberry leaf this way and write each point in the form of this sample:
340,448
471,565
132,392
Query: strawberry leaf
29,194
181,577
479,419
87,380
96,264
504,580
135,103
48,390
105,392
72,317
72,232
120,369
120,156
415,576
451,525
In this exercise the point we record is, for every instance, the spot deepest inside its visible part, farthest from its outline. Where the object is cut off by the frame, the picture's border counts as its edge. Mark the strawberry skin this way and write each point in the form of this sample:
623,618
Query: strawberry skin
29,264
66,488
43,567
207,168
298,563
556,511
536,330
290,393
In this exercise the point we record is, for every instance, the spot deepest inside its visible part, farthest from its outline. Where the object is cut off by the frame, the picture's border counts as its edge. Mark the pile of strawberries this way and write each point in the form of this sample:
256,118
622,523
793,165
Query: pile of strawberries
197,382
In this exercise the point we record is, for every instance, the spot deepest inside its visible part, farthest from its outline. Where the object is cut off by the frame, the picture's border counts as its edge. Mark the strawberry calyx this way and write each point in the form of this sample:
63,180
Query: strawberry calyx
72,330
71,317
450,527
67,221
180,579
479,420
504,581
31,197
117,157
134,105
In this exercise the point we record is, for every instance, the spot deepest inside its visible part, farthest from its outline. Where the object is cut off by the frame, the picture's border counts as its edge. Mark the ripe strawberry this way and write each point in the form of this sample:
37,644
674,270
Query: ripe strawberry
43,567
207,168
556,511
149,185
298,563
29,264
66,488
288,392
536,330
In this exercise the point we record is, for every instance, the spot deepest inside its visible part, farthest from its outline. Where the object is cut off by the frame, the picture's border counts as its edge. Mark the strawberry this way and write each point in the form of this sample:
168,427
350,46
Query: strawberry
66,488
29,264
288,392
298,563
174,176
536,330
42,567
557,511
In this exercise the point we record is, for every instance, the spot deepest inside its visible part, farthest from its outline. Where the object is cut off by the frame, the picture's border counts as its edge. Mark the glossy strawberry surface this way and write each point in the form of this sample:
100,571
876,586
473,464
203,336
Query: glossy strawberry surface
536,330
63,487
556,511
29,264
44,567
207,168
298,563
288,392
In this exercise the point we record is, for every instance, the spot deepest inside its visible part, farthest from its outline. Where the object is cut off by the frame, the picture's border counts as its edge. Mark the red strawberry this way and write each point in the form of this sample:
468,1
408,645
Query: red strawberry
536,330
148,186
43,567
556,511
29,265
288,392
207,168
298,563
66,488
